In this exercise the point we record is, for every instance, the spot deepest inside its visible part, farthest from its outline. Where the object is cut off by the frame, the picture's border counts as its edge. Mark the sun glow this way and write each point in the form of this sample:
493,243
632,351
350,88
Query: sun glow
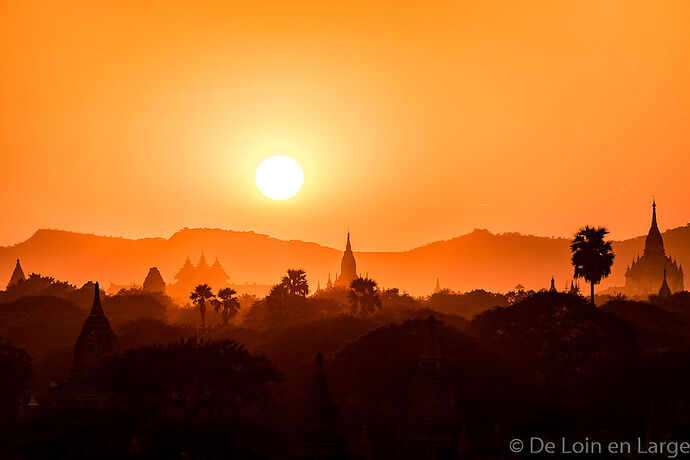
279,177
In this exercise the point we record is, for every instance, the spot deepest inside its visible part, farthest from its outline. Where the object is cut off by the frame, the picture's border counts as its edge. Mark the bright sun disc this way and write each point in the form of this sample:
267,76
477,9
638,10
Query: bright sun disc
279,177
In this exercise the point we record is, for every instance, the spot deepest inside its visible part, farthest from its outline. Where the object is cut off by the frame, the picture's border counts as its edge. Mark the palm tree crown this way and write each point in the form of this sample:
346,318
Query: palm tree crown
228,303
295,282
200,295
364,296
592,255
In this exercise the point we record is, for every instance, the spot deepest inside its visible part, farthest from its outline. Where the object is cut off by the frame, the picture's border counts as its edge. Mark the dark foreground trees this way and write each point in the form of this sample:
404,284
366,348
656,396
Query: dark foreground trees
189,376
592,255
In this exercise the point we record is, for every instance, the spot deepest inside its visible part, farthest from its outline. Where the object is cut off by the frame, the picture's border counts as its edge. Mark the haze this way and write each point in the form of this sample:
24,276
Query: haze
413,122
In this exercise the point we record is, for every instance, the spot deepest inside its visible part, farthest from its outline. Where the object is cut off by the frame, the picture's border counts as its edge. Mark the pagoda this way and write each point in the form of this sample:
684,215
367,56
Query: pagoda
95,344
348,266
154,282
646,274
319,436
431,430
17,275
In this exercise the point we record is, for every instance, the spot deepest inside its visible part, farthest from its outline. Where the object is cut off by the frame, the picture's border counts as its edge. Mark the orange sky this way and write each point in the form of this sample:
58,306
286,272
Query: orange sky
414,121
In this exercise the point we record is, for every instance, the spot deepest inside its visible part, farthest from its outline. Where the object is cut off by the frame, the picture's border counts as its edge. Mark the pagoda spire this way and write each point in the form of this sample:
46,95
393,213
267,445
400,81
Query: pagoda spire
97,308
348,266
319,434
665,290
654,244
17,275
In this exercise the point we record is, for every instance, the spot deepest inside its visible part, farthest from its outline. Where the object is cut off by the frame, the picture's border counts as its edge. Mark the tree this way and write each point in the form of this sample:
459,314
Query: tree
37,285
202,294
364,296
553,333
190,376
40,324
467,304
132,304
592,255
518,294
295,282
227,303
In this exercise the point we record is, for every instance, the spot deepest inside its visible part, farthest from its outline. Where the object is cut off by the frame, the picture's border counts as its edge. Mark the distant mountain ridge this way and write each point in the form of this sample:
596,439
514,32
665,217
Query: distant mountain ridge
479,259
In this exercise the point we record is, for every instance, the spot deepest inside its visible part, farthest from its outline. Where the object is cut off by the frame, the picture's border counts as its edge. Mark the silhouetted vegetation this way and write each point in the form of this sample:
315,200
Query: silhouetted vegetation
227,303
133,304
200,296
592,255
295,282
467,304
364,296
539,362
217,376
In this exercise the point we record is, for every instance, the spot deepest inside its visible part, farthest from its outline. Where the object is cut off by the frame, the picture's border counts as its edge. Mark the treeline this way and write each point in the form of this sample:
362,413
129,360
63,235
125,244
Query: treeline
226,376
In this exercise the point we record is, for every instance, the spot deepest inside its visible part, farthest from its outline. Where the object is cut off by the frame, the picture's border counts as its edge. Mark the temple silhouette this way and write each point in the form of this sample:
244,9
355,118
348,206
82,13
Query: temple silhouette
431,430
647,274
154,282
189,276
348,266
17,275
319,435
437,288
95,343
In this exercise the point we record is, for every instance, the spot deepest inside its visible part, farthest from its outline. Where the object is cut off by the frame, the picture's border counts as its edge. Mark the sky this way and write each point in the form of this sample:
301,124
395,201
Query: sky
413,121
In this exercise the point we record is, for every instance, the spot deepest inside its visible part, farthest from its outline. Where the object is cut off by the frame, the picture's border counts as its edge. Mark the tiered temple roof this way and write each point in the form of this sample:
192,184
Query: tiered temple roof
95,343
645,275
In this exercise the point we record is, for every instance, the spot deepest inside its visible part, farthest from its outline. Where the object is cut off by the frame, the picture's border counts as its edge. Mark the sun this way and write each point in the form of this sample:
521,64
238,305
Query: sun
279,177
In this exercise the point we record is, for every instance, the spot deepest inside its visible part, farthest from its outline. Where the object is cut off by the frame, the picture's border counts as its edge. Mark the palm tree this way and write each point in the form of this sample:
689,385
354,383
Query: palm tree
592,255
364,296
295,282
200,295
227,303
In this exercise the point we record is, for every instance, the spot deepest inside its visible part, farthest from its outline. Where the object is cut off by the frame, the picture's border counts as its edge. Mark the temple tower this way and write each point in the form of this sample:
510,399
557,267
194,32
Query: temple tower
437,289
654,243
319,436
95,344
644,276
17,275
431,430
665,291
218,277
154,282
348,266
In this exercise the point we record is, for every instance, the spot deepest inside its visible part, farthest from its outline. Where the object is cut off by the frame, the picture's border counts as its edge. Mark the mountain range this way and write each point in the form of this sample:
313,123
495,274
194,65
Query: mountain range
479,259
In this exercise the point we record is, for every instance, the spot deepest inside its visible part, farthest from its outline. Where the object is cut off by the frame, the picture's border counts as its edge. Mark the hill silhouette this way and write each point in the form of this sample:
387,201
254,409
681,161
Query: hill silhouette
480,259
